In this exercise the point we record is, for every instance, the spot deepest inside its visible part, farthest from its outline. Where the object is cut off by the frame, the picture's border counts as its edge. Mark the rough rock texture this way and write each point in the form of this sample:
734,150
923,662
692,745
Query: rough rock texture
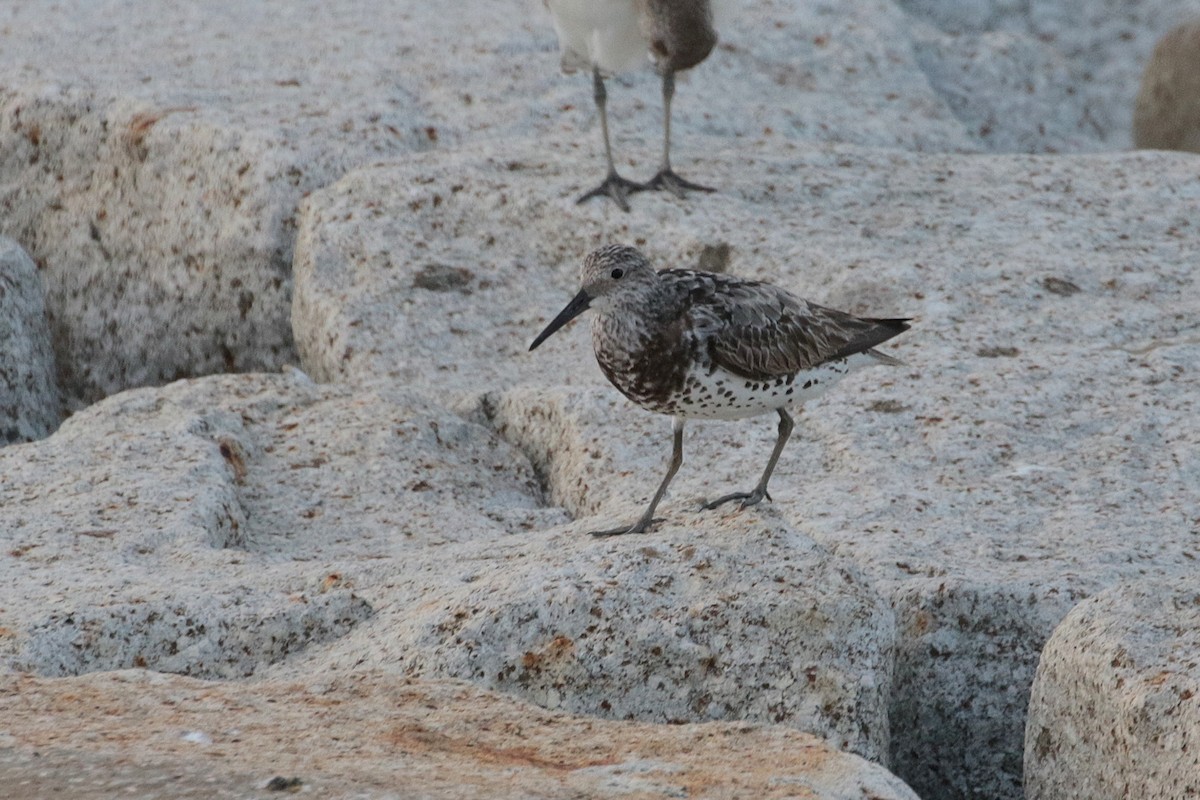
192,528
1007,472
169,168
1167,115
1115,710
164,235
703,622
1061,74
29,403
153,167
369,735
1012,91
273,515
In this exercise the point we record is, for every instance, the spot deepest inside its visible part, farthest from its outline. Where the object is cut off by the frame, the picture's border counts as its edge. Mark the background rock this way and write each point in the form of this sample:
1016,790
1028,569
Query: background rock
1115,702
29,402
1167,115
1095,51
1012,91
153,168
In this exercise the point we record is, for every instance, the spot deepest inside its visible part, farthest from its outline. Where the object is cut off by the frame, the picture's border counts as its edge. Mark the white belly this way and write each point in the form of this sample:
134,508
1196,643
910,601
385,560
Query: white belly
723,395
602,33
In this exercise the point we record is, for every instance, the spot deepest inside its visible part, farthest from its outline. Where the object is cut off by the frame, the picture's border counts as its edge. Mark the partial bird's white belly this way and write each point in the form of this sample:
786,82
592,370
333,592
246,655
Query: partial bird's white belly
603,33
723,395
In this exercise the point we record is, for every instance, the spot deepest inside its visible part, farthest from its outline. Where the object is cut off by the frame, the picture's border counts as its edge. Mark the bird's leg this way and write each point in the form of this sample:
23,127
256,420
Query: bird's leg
666,177
643,524
751,498
614,185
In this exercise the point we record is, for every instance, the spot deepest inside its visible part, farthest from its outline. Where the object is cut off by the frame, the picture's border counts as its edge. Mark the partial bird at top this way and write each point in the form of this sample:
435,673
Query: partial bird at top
609,36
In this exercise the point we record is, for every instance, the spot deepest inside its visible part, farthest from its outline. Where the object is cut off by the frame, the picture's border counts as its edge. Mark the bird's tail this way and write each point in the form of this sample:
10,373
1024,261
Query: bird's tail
886,329
884,358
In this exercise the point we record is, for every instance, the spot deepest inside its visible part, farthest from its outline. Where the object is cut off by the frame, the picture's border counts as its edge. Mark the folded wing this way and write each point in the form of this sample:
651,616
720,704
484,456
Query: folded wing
759,331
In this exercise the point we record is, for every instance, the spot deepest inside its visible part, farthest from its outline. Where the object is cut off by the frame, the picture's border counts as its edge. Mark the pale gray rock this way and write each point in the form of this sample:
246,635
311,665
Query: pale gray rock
568,436
1051,74
153,162
1167,114
1013,92
825,71
198,528
164,236
255,524
1114,708
1003,475
29,401
704,621
154,167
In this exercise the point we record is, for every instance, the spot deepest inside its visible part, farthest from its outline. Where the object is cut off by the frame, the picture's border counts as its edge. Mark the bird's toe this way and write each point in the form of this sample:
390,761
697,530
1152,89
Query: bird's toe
641,526
668,180
615,188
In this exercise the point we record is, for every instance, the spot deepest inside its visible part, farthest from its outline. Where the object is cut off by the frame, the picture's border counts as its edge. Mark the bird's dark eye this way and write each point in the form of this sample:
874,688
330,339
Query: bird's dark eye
617,273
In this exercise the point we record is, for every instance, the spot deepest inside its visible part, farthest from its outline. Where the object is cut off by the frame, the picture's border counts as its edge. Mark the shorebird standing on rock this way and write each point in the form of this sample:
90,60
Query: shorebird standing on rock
610,36
708,346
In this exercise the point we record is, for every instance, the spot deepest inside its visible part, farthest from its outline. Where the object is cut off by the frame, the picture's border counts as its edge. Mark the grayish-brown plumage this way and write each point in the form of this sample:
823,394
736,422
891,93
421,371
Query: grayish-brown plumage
709,346
608,36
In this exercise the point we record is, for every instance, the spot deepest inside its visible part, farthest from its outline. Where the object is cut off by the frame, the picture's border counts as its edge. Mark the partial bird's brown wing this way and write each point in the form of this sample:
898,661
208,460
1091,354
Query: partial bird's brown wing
759,331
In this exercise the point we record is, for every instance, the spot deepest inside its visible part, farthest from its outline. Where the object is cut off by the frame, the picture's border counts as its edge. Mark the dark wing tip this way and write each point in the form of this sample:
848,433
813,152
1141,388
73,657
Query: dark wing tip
895,326
887,328
878,332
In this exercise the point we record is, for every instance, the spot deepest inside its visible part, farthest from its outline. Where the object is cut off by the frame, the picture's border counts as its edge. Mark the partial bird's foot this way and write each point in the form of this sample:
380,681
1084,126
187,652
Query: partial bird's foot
668,180
617,188
748,499
641,526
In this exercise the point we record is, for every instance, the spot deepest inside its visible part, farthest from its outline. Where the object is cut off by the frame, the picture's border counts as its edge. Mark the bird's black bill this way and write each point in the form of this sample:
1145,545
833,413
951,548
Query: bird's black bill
574,308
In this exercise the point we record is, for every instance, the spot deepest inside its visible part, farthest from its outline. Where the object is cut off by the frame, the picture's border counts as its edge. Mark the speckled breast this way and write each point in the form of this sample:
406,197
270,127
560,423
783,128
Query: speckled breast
648,364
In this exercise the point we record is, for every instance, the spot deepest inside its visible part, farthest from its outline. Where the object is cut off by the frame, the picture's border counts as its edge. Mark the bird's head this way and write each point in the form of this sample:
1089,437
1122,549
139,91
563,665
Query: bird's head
610,277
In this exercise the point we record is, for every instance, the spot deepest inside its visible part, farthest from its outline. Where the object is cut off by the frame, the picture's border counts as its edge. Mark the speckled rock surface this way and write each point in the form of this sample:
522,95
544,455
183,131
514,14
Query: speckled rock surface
1053,299
163,235
197,528
1072,66
708,620
1167,114
371,735
154,167
169,168
29,401
232,522
1116,703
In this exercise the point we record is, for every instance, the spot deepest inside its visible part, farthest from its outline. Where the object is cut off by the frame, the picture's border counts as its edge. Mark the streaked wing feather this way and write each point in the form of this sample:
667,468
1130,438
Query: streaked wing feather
760,332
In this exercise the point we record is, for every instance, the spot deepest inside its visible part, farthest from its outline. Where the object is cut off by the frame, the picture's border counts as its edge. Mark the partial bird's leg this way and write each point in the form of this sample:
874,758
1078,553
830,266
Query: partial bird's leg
751,498
666,177
614,185
643,524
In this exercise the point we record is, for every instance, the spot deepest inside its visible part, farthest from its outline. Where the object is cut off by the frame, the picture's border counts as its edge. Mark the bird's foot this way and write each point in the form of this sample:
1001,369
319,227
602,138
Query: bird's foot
668,180
641,526
615,187
748,499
